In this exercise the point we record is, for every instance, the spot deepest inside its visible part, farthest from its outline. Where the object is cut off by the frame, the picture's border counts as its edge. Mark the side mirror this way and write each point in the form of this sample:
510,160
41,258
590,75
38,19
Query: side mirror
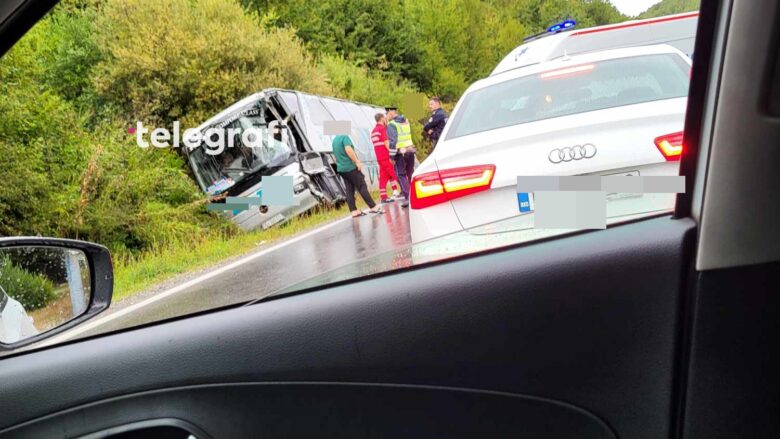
48,286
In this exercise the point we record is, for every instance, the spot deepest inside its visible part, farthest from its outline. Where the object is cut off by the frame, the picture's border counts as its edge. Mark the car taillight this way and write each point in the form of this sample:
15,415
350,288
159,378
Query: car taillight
670,145
434,188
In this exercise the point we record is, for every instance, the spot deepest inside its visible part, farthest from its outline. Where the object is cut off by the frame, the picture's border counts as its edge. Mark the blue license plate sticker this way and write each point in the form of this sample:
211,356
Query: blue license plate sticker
525,202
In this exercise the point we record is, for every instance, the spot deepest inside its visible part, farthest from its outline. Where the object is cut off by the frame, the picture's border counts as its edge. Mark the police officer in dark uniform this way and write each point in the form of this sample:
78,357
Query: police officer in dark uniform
432,130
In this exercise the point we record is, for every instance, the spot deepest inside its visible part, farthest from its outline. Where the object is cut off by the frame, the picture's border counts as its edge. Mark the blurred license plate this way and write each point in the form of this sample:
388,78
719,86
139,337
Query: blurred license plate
525,201
620,195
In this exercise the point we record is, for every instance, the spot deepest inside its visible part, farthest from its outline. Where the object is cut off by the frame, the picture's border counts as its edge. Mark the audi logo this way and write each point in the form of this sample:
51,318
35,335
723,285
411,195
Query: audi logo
576,152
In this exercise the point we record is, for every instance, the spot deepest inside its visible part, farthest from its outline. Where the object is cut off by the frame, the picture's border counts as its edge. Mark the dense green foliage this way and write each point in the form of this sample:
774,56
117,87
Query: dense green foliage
33,291
71,87
441,46
182,59
668,7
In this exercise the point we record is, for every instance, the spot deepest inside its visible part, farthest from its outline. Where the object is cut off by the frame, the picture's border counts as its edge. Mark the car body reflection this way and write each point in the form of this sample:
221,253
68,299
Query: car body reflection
15,324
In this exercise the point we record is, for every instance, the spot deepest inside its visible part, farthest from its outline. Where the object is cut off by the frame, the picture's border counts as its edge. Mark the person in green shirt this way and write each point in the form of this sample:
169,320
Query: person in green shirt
351,170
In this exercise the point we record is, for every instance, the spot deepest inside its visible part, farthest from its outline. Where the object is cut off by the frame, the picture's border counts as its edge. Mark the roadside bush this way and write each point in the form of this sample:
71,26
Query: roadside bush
42,143
133,199
31,290
63,179
188,59
373,34
353,82
70,53
60,179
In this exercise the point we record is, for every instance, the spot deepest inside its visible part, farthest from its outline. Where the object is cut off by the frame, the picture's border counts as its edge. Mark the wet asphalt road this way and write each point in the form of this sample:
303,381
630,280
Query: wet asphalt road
333,247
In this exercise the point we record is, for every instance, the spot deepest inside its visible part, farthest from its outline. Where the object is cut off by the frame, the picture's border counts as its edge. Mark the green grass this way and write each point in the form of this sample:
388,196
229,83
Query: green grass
135,274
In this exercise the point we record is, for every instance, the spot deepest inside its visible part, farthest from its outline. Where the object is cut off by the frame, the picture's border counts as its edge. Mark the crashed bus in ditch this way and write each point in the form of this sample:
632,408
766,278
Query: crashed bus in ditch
295,145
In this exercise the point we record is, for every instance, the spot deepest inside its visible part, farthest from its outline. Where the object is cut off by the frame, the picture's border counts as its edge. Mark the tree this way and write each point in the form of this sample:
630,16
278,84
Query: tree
373,34
188,59
668,7
440,46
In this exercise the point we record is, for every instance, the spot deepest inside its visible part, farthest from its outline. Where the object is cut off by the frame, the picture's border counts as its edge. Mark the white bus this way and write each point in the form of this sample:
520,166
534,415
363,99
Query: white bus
303,152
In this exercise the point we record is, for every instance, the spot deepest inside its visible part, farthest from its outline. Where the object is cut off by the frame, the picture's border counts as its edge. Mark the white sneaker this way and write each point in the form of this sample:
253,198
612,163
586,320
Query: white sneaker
396,194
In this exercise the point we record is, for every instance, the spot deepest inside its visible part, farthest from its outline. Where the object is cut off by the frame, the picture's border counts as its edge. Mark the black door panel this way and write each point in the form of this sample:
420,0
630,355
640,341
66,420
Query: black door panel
588,321
322,410
734,375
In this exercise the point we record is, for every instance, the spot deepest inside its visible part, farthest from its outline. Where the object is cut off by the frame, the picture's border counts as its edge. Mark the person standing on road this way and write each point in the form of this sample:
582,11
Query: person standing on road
351,170
432,130
382,150
402,149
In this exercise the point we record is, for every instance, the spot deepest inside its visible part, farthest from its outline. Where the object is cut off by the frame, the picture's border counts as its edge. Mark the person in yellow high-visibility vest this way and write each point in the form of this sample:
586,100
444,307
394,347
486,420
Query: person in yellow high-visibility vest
402,149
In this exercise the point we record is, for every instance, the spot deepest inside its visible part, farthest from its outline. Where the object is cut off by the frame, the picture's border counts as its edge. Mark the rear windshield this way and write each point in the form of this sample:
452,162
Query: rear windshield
571,90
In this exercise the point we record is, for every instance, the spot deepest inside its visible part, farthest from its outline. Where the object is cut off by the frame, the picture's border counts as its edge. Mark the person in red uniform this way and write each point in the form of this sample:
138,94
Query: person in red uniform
386,165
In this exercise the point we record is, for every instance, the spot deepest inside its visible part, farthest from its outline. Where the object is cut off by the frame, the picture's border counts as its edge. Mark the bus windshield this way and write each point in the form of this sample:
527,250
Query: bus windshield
218,172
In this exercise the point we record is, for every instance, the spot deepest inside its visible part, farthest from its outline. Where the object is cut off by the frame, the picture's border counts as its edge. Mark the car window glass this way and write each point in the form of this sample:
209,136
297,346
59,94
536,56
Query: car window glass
317,110
166,144
371,113
291,101
596,86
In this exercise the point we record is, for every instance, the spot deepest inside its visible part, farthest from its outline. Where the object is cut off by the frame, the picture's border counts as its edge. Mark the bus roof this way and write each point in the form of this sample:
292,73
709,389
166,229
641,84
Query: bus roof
252,99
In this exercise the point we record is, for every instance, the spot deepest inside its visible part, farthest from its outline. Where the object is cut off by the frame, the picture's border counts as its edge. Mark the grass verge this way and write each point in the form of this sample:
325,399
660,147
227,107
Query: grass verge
133,275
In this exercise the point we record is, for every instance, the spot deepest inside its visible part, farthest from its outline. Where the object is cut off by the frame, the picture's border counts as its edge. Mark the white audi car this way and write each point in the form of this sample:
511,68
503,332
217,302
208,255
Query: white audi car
613,112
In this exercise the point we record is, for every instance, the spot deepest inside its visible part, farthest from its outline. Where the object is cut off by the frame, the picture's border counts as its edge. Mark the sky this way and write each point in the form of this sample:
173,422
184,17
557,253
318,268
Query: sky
633,7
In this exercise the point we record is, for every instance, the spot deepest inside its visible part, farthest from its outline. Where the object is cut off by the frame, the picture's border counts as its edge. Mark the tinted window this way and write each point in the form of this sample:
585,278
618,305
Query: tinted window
337,109
358,117
370,112
360,135
317,111
290,100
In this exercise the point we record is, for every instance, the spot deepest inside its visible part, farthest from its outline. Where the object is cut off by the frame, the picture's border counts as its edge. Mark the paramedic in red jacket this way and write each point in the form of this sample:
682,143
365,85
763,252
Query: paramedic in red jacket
386,165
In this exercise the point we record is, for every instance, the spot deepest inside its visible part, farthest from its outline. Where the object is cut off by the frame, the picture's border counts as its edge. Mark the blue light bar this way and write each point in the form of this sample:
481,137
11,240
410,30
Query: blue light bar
564,25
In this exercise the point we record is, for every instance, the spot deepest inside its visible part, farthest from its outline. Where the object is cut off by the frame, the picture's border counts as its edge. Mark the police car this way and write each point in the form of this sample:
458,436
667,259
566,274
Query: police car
562,39
616,112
